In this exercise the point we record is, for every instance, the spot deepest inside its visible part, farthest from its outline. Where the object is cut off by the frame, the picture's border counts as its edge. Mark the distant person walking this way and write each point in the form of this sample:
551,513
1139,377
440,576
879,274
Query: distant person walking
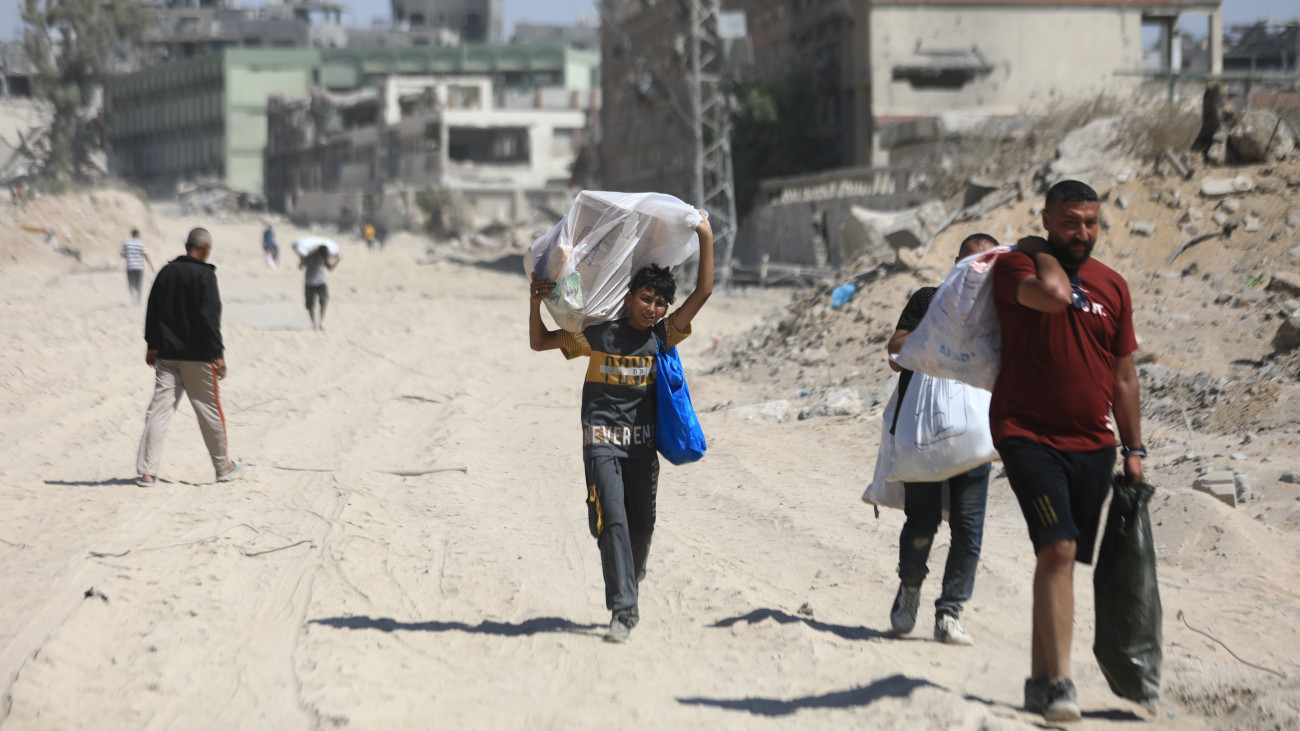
923,505
182,328
368,233
1067,366
270,249
136,257
315,289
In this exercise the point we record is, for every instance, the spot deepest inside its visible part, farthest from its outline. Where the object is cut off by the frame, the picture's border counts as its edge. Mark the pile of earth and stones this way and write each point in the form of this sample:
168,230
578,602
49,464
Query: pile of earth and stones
1211,252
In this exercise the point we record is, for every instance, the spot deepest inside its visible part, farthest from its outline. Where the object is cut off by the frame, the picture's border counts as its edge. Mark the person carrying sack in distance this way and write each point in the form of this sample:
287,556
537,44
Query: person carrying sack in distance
618,418
923,506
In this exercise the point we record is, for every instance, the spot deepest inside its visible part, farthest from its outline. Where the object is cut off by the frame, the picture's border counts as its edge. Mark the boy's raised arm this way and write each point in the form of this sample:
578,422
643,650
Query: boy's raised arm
540,338
703,282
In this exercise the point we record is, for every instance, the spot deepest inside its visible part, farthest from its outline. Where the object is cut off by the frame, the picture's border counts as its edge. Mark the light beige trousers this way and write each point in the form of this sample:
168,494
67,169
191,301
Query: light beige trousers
199,382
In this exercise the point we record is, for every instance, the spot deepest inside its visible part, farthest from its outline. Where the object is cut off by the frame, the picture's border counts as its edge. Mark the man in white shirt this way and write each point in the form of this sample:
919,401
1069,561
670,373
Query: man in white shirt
136,257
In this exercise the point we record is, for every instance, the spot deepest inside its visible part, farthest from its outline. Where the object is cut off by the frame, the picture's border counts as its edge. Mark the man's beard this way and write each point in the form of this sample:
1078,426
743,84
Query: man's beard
1067,258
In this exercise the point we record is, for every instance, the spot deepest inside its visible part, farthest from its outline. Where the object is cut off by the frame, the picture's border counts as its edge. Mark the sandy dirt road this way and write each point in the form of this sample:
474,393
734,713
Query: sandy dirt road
410,549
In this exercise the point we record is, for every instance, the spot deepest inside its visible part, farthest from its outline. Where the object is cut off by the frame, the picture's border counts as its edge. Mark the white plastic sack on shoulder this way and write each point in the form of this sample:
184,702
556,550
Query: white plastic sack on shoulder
959,337
942,430
883,491
605,238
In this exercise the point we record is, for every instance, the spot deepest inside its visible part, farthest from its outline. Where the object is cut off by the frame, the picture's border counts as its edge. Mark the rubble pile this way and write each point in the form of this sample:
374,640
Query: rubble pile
1212,256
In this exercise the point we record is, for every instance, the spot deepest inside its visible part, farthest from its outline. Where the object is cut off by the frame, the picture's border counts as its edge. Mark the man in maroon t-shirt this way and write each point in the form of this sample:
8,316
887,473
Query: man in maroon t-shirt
1067,365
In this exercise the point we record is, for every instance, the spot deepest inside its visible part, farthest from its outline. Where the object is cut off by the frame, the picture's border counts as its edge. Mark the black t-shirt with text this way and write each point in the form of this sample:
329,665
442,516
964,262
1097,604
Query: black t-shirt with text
618,397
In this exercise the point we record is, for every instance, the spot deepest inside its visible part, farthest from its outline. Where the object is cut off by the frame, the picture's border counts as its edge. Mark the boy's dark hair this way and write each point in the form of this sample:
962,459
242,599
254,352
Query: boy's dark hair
658,279
972,238
1072,191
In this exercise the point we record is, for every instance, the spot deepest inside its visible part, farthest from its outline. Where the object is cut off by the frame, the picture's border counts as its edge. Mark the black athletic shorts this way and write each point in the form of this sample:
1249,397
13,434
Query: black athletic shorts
315,292
1060,493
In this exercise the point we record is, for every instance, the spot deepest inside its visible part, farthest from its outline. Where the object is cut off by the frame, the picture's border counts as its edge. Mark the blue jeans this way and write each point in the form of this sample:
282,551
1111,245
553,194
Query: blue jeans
923,505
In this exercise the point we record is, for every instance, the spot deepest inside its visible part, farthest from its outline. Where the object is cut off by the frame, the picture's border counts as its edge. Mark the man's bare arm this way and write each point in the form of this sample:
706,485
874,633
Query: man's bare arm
1128,414
1049,290
896,345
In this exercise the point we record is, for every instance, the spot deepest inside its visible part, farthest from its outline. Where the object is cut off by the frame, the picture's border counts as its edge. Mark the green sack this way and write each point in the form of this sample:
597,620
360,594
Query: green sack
1128,638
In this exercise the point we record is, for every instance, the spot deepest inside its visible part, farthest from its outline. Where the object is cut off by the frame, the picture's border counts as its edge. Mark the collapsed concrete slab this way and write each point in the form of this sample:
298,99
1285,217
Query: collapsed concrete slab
915,227
1222,485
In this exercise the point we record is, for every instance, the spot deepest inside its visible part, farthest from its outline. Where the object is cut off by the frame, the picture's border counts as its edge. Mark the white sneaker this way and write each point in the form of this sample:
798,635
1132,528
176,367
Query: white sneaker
903,614
948,630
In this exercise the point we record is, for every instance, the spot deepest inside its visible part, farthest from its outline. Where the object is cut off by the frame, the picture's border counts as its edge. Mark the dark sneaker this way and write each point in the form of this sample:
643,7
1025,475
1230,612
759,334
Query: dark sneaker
1036,694
621,624
903,615
1062,702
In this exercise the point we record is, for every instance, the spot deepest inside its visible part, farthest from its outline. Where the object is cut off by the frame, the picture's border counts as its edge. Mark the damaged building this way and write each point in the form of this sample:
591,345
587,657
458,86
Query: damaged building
206,118
941,70
366,155
894,83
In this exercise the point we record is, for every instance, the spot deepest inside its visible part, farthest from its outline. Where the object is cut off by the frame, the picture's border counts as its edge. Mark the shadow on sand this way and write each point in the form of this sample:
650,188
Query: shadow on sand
96,483
848,633
539,625
895,686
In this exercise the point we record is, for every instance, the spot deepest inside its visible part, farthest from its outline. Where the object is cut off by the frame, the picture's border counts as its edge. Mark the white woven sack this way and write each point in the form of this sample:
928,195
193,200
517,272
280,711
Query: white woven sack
883,491
604,239
942,430
959,337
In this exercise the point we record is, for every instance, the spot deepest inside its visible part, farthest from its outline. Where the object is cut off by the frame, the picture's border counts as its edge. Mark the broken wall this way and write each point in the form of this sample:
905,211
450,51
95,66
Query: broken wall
987,61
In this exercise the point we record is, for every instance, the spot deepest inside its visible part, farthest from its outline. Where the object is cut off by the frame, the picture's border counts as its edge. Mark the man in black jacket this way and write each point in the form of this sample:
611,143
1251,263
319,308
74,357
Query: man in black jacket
182,327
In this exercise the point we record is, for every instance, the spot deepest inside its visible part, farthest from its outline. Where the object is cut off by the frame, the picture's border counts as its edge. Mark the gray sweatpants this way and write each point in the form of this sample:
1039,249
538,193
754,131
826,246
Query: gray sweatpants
199,382
621,495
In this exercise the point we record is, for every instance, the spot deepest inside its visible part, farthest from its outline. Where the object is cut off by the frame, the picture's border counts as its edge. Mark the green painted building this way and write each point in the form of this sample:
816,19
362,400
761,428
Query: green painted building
205,118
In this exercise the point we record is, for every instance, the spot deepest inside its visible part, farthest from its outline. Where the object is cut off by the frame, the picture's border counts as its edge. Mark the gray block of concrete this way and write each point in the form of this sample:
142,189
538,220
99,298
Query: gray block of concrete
1285,282
1142,228
1288,333
777,412
1213,187
1222,485
837,402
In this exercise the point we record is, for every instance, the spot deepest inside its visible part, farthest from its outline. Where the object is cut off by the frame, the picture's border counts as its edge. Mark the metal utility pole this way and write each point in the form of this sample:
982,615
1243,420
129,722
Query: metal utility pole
714,187
709,116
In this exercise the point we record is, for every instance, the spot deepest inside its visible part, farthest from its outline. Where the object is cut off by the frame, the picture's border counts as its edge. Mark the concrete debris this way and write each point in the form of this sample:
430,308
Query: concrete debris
1230,205
977,189
1288,334
1290,478
836,402
1288,283
1142,228
1226,186
1251,224
862,236
777,412
1222,485
214,197
1293,220
1260,135
914,228
1088,154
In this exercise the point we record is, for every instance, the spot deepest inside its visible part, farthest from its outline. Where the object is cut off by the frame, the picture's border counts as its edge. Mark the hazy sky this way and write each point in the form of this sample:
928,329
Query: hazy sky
567,11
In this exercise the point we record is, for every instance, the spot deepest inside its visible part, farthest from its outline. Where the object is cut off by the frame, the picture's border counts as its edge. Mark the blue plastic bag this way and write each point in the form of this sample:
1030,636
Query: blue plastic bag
678,436
841,295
